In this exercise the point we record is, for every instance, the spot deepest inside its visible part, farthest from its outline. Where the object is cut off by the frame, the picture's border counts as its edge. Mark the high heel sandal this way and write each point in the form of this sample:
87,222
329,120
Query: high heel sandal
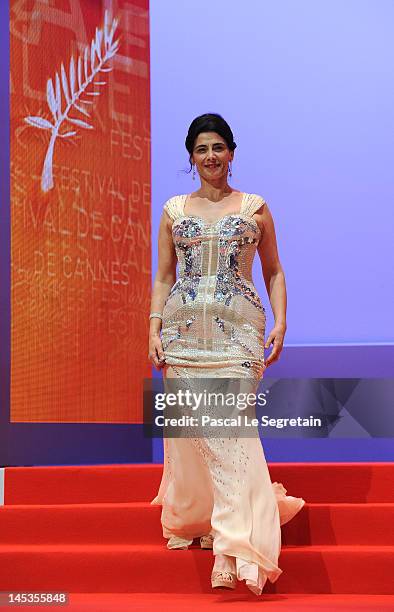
223,580
177,543
206,541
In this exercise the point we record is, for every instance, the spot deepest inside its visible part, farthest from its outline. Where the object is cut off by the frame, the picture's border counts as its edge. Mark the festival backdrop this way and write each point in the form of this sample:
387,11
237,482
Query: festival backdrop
80,210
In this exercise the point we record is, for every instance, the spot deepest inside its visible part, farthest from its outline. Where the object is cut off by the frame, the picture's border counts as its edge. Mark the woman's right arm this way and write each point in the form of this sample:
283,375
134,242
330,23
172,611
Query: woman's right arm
164,280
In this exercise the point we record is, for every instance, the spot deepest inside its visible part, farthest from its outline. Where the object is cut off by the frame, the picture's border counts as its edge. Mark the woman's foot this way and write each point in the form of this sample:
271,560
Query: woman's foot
223,580
175,542
178,543
206,541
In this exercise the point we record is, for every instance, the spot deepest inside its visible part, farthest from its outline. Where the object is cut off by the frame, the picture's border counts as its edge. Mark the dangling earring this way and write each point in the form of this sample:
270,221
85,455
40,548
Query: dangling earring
194,173
229,169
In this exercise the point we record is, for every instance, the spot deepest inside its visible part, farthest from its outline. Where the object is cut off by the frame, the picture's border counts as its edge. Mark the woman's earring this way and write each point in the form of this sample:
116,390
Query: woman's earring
229,169
194,173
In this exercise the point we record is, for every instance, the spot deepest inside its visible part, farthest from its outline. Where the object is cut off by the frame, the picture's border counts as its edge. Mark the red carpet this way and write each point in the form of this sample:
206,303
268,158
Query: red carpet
90,529
232,602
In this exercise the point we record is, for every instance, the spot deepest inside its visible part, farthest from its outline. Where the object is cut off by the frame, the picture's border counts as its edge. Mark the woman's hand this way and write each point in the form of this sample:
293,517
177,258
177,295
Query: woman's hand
276,337
156,353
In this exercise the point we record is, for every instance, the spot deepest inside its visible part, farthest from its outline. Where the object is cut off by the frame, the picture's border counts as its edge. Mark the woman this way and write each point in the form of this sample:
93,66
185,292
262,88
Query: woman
212,325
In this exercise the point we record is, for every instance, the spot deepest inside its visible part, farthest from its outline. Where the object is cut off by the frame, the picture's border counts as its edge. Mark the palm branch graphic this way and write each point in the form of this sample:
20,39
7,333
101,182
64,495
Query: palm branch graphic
81,75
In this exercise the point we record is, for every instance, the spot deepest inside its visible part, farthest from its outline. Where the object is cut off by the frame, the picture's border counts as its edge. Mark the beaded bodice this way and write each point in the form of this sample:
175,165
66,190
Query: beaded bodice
213,315
224,249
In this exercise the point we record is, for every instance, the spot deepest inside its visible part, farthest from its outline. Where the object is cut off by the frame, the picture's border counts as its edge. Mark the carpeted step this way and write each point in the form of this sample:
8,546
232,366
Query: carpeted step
236,601
154,569
315,482
139,523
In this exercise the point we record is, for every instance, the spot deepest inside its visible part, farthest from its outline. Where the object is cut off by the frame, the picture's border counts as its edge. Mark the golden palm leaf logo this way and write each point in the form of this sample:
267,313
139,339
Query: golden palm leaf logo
74,85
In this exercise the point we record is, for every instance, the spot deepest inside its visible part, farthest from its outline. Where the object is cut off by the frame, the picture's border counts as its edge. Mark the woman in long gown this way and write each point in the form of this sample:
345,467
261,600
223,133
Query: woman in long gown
212,325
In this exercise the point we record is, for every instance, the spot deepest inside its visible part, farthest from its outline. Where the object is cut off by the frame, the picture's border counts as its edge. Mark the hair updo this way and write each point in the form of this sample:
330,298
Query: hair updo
210,122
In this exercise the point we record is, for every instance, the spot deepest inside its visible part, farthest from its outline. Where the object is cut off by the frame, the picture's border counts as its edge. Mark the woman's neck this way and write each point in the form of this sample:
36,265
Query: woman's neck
214,194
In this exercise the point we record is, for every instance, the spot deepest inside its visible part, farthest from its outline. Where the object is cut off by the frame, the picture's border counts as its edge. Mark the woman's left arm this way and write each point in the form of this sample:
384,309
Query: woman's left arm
274,279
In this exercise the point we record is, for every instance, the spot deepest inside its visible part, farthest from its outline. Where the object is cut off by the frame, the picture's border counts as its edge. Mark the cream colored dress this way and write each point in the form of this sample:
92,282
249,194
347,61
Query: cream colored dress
213,327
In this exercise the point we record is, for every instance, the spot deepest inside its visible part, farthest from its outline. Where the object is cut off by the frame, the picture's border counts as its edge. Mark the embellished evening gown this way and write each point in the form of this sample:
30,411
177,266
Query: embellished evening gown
214,326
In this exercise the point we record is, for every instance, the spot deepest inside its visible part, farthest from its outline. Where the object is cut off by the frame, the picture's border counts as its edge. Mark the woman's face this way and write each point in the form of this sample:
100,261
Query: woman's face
211,156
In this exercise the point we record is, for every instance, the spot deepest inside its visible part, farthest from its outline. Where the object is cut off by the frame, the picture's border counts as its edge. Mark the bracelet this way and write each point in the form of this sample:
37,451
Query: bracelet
155,314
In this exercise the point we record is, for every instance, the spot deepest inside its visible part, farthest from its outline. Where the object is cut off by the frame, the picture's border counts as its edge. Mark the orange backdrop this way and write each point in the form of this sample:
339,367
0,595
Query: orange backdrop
80,209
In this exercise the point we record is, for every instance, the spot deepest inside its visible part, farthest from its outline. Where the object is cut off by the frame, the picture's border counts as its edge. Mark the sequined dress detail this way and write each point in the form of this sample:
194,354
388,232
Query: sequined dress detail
214,326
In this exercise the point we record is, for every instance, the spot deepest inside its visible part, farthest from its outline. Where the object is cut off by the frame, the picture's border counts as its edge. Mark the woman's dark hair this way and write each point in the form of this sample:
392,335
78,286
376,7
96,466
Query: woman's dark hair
210,122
